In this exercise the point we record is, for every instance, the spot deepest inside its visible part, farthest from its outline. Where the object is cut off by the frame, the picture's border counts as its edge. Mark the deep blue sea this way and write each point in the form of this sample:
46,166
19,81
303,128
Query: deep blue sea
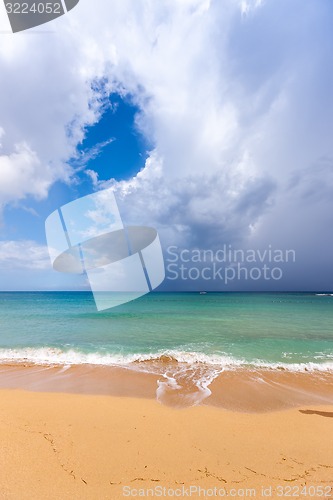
290,330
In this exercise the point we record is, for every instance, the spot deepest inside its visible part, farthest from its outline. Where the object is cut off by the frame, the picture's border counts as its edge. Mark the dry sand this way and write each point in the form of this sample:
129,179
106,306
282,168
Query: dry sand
74,446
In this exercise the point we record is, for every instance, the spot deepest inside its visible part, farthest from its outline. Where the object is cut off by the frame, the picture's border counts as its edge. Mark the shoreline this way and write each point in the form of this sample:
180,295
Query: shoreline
75,446
239,390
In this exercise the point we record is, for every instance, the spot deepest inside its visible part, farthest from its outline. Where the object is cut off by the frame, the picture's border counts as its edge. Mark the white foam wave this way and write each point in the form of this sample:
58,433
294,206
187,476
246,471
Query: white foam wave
189,383
56,356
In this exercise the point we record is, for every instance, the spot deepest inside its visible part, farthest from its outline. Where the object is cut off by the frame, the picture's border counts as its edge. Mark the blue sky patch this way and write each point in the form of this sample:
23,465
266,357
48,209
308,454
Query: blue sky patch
113,148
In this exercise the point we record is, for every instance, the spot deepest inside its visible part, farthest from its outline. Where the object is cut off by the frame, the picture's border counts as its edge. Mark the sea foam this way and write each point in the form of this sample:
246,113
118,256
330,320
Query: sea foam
56,356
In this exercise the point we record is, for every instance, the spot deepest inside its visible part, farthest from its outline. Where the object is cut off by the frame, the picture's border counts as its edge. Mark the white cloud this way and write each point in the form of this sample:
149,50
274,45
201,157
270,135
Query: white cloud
236,106
21,173
231,104
23,255
26,265
46,101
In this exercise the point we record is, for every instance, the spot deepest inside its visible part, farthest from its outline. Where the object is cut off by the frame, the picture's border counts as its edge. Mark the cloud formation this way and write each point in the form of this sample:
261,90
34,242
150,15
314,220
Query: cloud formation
46,101
23,255
238,105
235,97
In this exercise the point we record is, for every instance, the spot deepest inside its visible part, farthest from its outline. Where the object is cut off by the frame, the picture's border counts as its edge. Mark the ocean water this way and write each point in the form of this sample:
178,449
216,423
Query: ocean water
223,330
187,340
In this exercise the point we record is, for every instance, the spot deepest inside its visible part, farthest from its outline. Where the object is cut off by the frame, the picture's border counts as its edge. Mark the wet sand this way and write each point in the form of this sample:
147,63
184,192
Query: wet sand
239,390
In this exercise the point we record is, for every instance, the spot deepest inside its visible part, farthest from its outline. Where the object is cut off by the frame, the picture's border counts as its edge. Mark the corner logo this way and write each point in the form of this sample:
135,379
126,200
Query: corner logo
26,14
121,262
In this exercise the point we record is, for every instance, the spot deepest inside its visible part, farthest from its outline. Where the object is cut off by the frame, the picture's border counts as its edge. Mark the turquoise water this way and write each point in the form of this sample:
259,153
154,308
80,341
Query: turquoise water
223,329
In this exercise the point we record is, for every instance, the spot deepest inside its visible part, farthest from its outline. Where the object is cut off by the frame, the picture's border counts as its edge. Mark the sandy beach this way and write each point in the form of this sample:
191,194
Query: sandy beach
76,446
243,389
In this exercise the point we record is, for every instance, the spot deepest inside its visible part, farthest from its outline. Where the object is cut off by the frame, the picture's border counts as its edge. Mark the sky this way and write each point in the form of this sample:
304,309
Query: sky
211,120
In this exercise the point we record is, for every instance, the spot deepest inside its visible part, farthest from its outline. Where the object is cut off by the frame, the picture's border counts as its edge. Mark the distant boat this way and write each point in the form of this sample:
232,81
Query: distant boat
203,293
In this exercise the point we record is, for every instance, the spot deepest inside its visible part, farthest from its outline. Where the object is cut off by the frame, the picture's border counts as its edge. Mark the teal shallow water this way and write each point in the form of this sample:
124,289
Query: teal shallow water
223,329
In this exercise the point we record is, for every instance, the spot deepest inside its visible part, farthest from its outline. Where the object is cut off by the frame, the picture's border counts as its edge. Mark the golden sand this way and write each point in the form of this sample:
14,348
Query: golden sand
236,390
74,446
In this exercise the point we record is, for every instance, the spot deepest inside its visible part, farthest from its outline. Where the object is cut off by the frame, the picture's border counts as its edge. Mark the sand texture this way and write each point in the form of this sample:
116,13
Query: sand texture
59,446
